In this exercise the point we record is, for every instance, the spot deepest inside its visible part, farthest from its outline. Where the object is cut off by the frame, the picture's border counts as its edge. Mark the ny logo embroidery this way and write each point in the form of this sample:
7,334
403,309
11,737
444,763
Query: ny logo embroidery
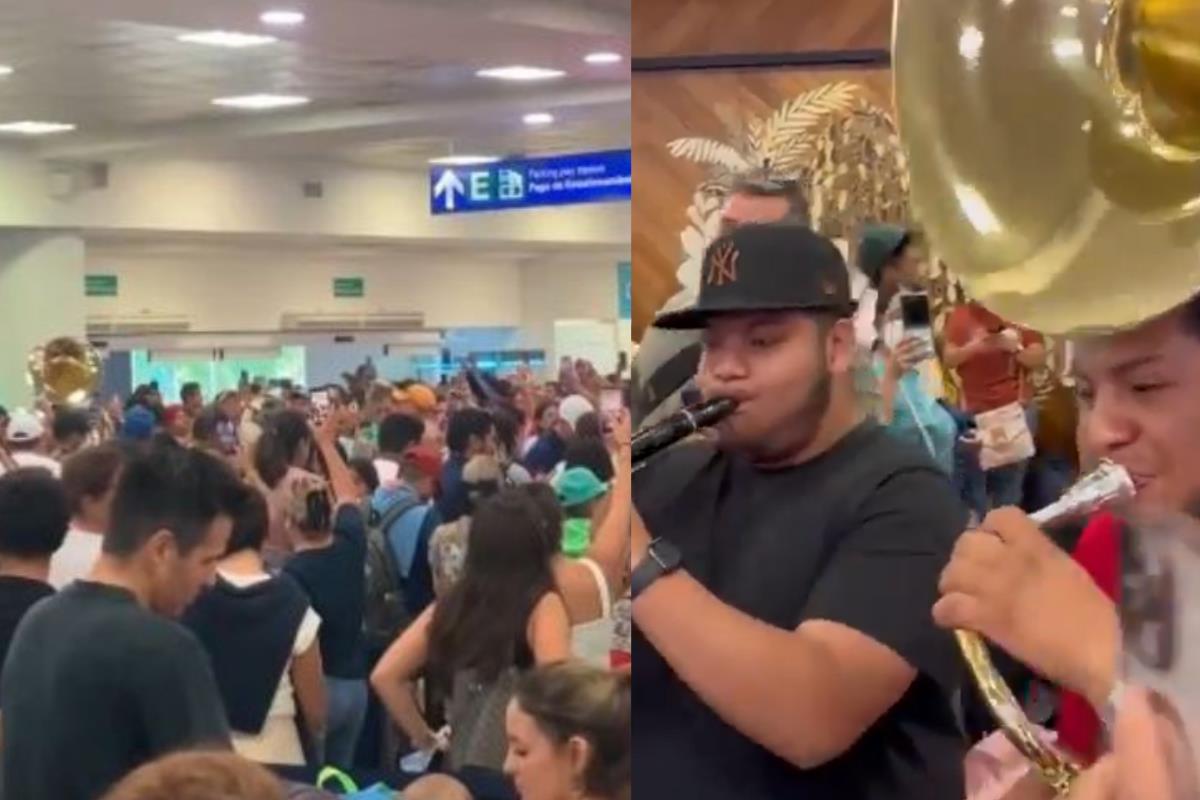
722,267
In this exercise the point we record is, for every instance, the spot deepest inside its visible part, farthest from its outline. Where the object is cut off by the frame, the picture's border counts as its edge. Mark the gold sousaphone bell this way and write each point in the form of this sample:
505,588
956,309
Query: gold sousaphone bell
64,371
1054,147
1054,150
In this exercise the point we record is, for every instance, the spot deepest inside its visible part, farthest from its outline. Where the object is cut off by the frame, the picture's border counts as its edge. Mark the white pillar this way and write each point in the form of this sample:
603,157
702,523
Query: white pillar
41,297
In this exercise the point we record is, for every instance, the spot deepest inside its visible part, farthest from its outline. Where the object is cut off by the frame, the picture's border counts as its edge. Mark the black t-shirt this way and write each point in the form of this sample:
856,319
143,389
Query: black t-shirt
857,536
96,686
335,580
17,596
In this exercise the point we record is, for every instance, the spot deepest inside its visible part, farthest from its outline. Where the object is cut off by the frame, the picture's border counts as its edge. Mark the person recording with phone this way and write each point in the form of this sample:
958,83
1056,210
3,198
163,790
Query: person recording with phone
893,324
780,577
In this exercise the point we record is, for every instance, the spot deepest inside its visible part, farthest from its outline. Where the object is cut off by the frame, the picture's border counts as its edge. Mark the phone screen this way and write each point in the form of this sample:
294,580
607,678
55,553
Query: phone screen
611,402
914,310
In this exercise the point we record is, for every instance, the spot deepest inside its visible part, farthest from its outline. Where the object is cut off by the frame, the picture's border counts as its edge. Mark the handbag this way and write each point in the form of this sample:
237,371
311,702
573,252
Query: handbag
1005,437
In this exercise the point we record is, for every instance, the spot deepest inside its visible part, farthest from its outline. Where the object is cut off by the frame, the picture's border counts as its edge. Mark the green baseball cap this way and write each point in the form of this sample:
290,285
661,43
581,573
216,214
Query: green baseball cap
876,247
578,485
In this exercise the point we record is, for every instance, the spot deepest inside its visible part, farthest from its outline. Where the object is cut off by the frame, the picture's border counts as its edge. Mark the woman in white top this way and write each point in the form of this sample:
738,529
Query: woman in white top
590,583
90,479
252,624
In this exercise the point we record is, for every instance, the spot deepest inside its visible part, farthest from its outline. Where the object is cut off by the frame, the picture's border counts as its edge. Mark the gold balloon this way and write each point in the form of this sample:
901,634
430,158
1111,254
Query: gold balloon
64,371
1054,147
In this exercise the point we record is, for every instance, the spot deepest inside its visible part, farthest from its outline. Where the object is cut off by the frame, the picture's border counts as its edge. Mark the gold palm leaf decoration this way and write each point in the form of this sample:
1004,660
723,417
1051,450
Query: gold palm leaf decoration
711,153
785,139
786,144
858,172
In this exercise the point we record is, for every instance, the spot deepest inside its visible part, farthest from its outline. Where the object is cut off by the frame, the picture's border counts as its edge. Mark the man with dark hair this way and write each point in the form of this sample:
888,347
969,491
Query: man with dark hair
783,574
33,522
397,433
592,454
90,479
1010,582
71,430
471,432
101,679
192,398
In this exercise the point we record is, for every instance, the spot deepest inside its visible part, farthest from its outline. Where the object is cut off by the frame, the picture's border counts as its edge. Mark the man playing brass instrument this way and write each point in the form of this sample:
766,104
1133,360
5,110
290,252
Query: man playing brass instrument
784,642
1138,398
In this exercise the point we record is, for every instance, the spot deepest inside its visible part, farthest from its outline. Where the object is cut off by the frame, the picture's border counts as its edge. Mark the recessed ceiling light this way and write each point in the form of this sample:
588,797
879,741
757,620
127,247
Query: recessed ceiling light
463,161
282,17
261,102
602,58
539,118
34,128
227,39
521,73
6,70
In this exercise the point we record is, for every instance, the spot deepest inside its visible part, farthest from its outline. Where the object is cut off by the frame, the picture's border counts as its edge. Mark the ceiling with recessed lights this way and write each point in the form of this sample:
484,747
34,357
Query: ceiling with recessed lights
380,82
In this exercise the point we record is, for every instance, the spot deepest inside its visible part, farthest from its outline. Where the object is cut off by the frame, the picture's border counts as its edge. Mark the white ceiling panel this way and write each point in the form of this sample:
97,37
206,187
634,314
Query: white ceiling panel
392,82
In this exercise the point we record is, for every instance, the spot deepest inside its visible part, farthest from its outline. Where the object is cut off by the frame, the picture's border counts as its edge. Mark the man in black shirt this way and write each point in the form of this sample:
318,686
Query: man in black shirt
100,679
785,646
34,516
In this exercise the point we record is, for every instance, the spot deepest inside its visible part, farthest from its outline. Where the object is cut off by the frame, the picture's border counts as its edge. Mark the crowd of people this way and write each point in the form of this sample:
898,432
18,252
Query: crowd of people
422,586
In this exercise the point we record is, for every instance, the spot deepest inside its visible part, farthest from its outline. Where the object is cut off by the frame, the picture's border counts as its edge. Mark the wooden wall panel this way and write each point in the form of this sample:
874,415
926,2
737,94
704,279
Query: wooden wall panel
662,28
702,103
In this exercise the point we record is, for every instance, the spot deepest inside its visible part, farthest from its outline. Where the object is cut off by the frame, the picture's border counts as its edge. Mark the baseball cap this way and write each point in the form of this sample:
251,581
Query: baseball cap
422,397
24,426
172,413
573,407
578,485
139,424
426,459
771,267
876,246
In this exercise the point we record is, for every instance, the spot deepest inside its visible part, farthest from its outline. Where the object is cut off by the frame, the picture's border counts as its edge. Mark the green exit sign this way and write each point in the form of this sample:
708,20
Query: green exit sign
349,287
100,285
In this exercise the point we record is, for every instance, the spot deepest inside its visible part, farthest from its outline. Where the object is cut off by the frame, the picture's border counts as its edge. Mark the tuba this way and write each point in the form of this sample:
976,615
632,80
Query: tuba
64,371
1054,151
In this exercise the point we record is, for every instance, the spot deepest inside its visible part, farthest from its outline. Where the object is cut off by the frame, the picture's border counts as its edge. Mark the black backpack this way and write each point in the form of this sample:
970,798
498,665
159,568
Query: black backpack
386,613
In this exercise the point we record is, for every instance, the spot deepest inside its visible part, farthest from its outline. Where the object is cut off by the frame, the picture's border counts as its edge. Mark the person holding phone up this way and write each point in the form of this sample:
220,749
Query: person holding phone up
893,325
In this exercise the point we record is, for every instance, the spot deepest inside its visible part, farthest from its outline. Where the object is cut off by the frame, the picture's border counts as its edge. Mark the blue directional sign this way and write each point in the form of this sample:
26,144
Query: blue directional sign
528,183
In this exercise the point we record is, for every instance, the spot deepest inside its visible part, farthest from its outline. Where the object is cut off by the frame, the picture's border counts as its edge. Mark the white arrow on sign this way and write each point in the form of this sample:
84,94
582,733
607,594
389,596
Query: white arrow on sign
448,187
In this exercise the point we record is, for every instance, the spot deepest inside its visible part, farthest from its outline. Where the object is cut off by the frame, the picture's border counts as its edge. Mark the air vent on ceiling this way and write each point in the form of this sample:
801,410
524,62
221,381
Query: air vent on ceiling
385,321
136,326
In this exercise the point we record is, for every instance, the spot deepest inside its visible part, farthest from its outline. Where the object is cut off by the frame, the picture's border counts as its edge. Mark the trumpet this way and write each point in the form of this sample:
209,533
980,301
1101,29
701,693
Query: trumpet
1104,486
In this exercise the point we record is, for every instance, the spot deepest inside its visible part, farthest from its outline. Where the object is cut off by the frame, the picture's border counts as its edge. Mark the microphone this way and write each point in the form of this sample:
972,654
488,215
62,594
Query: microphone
678,426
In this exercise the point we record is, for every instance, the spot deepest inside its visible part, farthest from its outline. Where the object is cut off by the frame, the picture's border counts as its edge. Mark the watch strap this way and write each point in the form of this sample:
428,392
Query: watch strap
662,558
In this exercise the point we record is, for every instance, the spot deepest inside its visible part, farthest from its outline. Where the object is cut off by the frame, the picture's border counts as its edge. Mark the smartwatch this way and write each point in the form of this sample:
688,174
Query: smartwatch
662,558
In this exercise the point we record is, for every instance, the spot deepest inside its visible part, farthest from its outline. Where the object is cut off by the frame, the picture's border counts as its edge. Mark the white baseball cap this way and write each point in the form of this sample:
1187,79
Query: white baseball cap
25,426
573,407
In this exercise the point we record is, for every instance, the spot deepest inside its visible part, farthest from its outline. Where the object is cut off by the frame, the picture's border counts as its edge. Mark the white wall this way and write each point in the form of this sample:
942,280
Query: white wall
578,288
230,287
41,298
